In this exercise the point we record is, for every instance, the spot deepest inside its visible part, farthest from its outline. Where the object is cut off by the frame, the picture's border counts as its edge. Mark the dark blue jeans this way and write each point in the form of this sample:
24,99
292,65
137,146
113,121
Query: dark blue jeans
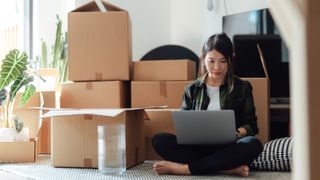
207,159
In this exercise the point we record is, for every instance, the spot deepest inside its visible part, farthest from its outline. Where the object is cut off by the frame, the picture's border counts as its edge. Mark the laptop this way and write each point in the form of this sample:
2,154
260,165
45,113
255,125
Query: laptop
205,127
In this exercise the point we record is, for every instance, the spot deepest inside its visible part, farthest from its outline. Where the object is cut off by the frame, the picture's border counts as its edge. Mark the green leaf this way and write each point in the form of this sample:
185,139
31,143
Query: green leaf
21,81
57,44
12,67
29,91
18,123
3,95
44,61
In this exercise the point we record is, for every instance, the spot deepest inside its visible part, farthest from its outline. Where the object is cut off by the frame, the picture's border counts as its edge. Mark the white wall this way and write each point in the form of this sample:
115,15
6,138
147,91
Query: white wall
192,23
186,23
45,20
150,20
238,6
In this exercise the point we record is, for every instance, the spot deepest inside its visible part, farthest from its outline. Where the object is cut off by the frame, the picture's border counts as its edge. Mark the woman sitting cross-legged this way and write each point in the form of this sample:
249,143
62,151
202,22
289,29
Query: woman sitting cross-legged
217,89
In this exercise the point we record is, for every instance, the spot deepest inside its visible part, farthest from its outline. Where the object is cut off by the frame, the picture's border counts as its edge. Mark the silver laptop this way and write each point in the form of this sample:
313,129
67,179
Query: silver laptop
205,127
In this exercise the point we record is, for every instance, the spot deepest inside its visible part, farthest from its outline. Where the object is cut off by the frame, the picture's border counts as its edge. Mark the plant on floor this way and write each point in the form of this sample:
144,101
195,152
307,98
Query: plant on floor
14,75
58,53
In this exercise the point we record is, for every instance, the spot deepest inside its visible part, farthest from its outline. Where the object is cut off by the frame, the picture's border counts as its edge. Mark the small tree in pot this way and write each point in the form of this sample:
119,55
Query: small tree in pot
14,75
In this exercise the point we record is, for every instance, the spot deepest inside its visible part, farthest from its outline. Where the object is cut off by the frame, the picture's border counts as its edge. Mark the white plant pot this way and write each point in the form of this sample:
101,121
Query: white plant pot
11,135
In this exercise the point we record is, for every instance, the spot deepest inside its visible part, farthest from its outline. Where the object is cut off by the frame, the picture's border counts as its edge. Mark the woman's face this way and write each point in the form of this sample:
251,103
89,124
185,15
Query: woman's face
216,64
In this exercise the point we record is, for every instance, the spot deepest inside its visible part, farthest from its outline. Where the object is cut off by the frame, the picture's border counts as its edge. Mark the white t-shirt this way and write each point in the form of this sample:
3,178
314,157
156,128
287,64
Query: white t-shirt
214,95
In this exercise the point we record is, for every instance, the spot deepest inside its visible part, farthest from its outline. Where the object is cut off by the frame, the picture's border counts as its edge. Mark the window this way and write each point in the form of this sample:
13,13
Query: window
15,26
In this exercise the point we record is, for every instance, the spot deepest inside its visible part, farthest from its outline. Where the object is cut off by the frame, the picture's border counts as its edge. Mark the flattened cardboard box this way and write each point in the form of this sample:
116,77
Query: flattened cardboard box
75,138
51,100
24,151
100,94
157,93
164,70
160,120
99,43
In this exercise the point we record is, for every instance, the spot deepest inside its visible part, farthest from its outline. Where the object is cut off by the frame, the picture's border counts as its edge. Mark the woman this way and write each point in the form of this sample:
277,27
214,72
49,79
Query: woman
217,89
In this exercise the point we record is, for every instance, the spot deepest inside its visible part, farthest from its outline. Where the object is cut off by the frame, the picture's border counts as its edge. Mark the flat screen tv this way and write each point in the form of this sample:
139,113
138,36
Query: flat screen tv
246,30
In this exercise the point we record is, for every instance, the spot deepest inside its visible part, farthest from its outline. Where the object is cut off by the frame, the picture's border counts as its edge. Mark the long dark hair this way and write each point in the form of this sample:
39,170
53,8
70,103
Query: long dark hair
222,43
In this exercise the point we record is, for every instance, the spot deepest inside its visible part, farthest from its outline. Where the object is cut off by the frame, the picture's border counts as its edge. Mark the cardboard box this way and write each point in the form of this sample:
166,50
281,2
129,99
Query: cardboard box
75,139
52,83
100,94
261,96
24,151
51,100
261,101
156,93
18,151
160,120
99,43
164,70
30,117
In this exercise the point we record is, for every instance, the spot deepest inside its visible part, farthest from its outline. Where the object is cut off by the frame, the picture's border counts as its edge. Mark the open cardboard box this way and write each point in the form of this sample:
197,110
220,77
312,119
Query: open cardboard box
261,96
75,137
24,151
51,100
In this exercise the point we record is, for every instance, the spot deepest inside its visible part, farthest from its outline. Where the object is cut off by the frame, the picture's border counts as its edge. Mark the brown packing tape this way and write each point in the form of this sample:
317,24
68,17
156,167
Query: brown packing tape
98,76
89,85
88,117
87,163
163,88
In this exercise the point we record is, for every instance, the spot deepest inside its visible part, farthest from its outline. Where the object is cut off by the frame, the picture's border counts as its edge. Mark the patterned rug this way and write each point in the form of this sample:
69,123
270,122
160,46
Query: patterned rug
43,170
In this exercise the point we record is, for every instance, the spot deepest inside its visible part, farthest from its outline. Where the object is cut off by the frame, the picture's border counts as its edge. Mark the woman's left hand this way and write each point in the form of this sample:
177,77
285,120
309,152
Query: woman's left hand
241,132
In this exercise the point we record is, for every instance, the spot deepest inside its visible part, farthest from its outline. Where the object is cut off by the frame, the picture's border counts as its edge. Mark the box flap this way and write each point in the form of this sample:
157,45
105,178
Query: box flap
102,112
68,112
263,62
92,7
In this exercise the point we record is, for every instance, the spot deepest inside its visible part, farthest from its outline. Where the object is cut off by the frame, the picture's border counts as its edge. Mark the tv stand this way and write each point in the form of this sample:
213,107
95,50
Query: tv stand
279,100
279,117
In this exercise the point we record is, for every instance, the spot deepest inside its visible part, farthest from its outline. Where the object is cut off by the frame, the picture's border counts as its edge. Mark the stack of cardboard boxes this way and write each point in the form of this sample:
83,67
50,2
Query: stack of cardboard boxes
160,83
99,64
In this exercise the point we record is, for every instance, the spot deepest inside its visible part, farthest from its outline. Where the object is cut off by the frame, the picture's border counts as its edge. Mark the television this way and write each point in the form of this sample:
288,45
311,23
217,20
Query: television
257,27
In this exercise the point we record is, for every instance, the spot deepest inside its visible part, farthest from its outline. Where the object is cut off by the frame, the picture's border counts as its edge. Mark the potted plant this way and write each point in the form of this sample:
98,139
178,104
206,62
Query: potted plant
14,75
58,58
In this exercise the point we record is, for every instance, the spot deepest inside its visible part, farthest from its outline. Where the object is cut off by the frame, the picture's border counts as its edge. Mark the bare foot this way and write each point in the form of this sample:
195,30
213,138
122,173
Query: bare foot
168,167
240,171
